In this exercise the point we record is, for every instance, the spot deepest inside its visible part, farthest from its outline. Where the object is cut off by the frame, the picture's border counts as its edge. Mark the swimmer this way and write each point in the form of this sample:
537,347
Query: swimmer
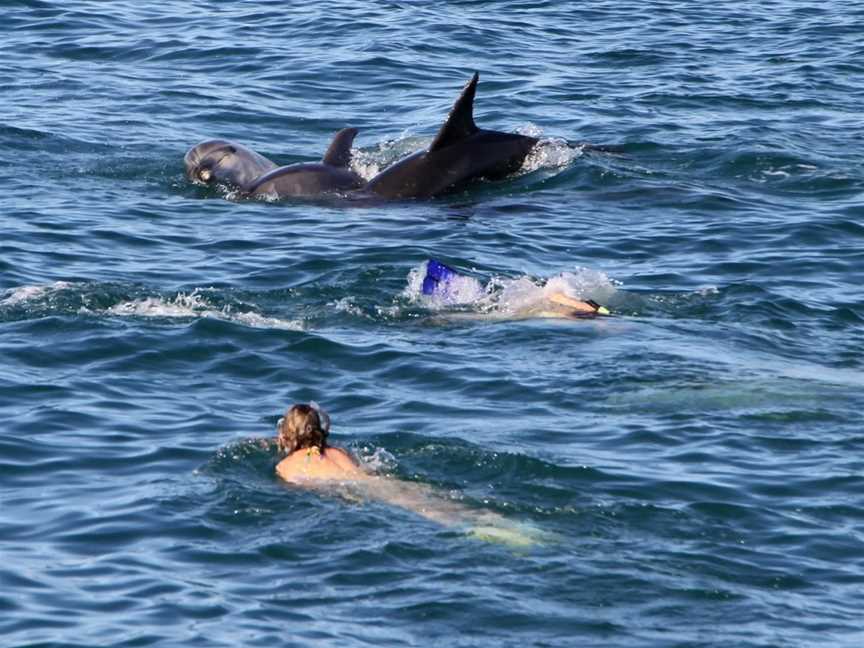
311,462
442,281
302,437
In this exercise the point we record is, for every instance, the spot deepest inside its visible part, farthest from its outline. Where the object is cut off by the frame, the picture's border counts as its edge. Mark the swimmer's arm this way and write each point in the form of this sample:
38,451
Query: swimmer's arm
575,304
285,471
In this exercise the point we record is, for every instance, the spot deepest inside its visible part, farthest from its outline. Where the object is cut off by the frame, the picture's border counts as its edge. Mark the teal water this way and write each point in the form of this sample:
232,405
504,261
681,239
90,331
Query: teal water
695,461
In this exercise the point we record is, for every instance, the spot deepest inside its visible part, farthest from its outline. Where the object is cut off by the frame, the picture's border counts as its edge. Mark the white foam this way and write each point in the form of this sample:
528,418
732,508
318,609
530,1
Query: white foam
460,290
377,460
261,321
583,283
24,294
347,305
369,163
194,305
530,130
522,294
181,306
548,153
184,305
365,164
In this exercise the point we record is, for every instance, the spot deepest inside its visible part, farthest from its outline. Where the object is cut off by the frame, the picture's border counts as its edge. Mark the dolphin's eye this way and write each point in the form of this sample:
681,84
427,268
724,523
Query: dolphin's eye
204,175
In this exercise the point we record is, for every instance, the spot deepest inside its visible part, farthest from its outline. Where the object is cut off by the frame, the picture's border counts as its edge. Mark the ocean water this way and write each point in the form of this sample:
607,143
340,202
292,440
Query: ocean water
690,469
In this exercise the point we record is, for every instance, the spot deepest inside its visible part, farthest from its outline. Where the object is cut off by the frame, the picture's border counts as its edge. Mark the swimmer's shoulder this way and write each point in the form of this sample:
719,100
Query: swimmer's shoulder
343,460
289,467
334,463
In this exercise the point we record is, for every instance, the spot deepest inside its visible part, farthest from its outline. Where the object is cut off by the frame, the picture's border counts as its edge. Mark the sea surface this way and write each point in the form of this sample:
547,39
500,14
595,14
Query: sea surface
689,471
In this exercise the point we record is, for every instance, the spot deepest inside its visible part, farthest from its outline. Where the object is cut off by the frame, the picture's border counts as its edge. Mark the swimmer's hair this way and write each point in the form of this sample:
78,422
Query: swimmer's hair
300,429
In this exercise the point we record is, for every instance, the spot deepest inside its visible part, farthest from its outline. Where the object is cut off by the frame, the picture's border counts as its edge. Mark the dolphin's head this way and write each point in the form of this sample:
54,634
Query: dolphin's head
223,162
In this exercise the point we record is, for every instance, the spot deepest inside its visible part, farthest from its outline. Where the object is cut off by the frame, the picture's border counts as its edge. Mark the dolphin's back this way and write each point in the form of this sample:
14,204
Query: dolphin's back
460,152
304,180
485,155
331,175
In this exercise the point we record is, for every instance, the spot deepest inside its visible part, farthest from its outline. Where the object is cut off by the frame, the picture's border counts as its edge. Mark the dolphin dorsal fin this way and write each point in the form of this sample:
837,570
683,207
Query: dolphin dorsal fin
339,153
460,122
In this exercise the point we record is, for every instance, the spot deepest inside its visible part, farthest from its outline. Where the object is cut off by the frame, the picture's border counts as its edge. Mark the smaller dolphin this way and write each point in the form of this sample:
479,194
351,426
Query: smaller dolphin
222,162
460,152
331,175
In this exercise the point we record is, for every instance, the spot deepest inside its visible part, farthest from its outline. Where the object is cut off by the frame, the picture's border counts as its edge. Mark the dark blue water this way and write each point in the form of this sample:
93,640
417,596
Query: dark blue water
694,462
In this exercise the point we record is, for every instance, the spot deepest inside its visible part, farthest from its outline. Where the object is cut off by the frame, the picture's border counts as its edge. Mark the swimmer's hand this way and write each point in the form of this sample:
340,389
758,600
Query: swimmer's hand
600,310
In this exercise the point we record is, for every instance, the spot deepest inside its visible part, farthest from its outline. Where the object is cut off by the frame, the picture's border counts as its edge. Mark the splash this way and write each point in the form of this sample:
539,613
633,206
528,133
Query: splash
461,290
509,296
524,294
377,460
195,305
549,153
369,163
27,294
63,297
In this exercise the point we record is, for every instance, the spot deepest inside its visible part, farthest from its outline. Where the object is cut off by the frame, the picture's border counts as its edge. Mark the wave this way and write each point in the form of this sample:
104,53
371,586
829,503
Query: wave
92,299
473,294
196,305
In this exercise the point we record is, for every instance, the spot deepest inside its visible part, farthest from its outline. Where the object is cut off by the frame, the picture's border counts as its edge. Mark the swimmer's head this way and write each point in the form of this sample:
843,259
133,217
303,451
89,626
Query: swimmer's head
301,428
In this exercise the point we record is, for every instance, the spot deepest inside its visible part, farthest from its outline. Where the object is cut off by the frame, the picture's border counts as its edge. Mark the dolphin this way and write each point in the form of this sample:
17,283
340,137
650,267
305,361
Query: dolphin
219,161
460,152
331,175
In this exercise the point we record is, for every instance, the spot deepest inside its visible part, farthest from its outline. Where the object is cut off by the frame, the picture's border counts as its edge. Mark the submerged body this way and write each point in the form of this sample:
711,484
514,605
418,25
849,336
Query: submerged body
460,153
312,463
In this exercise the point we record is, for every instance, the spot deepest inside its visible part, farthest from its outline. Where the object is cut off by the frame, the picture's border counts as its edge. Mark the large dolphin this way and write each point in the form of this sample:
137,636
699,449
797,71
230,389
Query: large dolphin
331,175
222,162
459,153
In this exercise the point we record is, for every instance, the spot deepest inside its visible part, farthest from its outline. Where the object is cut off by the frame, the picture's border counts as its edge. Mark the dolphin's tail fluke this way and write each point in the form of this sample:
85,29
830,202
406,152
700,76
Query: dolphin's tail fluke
460,122
339,152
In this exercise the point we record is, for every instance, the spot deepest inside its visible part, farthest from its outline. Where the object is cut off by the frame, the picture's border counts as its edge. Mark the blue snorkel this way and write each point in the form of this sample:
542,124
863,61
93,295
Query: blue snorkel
437,277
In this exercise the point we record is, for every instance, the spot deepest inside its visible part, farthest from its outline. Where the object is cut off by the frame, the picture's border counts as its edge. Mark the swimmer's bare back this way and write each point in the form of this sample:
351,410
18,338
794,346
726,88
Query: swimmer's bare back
332,464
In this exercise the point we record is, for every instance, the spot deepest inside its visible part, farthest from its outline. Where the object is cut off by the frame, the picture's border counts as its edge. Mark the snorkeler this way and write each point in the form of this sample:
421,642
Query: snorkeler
311,462
444,282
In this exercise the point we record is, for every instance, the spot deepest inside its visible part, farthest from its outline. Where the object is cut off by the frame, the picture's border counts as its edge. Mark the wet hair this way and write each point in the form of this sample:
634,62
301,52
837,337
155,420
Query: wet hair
300,429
